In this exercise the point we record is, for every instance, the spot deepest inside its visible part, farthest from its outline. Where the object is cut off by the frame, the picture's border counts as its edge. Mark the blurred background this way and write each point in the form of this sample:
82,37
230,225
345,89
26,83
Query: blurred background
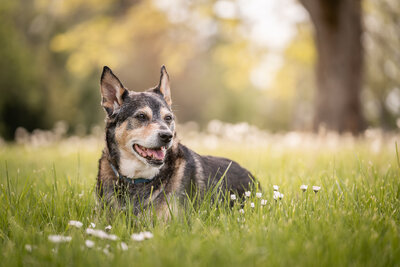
281,66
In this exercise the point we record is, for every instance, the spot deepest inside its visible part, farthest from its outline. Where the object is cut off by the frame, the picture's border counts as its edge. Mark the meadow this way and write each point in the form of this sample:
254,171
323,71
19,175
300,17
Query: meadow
353,220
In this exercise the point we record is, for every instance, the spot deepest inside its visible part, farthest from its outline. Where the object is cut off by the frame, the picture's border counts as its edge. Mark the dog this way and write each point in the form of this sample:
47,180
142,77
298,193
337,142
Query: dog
144,163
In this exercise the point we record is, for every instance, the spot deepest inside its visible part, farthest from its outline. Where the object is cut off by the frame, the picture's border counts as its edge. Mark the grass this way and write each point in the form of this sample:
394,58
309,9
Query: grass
354,219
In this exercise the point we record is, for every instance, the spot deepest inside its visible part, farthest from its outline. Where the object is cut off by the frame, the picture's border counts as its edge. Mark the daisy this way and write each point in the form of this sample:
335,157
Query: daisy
278,195
276,188
77,224
247,193
259,195
100,234
233,197
147,235
106,251
316,188
137,237
252,204
303,187
124,246
112,237
89,243
28,248
59,238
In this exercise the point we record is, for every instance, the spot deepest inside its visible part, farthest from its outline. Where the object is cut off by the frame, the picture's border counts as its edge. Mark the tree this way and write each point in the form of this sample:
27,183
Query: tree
338,31
382,58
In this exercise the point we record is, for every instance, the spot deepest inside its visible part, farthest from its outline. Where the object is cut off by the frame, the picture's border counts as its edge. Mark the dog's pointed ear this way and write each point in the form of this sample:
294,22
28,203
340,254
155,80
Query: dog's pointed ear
163,87
112,91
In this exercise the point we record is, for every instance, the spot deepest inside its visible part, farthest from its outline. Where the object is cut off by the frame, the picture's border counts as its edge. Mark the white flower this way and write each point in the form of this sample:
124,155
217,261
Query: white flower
263,202
247,193
89,243
233,196
100,234
241,211
112,237
276,188
137,237
93,225
278,195
77,224
147,235
252,204
259,195
303,187
124,246
141,236
97,233
59,238
106,251
28,248
108,227
316,188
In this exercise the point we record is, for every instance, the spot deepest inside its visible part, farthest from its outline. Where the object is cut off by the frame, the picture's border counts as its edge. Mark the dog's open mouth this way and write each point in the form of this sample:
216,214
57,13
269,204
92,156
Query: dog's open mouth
153,155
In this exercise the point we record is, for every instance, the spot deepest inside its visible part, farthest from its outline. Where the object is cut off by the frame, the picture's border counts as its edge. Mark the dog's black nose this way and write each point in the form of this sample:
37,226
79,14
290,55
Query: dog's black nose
165,137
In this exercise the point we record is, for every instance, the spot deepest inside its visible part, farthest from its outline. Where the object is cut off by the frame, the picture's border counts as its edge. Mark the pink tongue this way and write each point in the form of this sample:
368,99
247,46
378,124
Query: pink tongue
157,154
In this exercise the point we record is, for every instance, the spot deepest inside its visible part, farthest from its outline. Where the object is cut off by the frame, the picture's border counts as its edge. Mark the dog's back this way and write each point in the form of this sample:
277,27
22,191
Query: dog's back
207,171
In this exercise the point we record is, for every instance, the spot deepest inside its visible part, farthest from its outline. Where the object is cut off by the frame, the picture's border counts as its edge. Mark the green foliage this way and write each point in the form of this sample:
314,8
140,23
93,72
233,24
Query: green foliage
53,52
352,220
382,95
20,101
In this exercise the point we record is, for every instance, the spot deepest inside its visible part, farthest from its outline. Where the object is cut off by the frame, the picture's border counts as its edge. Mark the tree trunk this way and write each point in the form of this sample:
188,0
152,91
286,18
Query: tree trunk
338,32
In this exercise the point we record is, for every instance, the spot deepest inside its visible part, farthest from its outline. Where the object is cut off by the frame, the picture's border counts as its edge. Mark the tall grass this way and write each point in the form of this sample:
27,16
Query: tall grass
353,220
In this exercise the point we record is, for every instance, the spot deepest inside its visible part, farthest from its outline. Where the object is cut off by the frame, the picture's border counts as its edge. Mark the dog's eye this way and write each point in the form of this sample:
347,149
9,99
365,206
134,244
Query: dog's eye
141,116
168,118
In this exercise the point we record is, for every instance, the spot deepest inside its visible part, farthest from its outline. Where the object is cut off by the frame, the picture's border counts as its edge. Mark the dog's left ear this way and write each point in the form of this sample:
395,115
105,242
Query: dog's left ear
163,87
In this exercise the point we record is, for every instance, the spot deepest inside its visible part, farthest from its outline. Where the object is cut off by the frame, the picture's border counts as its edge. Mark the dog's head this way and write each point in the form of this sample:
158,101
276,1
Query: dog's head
140,125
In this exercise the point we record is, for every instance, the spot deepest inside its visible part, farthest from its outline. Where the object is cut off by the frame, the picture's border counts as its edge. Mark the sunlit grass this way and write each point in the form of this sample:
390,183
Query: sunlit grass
352,220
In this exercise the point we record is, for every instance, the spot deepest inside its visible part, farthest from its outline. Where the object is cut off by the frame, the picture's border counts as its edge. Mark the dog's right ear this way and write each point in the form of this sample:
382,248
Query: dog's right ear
112,91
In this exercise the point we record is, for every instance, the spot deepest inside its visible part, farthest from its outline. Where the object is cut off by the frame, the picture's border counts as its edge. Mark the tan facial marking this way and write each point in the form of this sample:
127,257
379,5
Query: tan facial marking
149,129
147,111
164,112
123,135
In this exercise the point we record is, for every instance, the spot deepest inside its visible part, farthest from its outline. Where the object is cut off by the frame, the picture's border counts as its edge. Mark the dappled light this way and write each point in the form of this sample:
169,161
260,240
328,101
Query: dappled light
228,60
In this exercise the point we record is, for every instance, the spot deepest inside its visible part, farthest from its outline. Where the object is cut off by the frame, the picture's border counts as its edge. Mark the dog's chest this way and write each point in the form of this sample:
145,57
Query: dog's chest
130,166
